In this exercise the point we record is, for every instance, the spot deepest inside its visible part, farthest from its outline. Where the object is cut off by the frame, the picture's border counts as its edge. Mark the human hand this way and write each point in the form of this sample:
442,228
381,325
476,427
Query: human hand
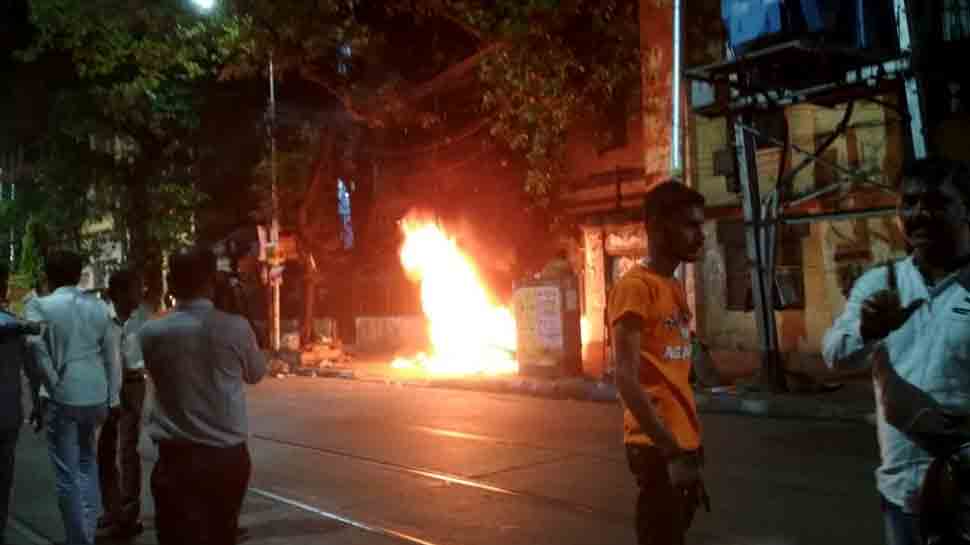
683,471
28,327
938,421
882,313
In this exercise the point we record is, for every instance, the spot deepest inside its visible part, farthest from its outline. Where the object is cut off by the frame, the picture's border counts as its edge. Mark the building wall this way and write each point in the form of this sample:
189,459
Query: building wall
832,252
619,245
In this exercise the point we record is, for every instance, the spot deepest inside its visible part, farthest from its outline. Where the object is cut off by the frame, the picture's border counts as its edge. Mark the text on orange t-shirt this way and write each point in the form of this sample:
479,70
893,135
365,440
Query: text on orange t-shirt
665,353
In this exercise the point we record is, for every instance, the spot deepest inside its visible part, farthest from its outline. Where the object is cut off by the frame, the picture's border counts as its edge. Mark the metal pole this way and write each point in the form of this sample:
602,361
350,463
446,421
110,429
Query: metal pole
761,288
676,164
915,102
274,236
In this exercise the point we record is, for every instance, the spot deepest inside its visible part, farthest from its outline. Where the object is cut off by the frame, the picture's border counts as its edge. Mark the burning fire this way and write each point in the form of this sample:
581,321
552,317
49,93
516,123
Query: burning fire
468,333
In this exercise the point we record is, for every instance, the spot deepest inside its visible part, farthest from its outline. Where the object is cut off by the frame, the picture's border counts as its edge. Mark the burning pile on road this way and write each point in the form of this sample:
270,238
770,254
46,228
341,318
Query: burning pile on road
469,334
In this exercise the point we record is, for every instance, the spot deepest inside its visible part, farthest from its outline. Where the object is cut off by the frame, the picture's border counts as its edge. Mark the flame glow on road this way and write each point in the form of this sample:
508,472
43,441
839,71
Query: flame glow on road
469,334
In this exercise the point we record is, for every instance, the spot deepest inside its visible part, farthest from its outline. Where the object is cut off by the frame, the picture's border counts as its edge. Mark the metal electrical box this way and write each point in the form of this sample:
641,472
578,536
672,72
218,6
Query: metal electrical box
547,318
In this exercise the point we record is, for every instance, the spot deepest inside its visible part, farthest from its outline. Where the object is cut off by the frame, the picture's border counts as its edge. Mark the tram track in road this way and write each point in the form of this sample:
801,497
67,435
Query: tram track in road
469,482
455,434
346,521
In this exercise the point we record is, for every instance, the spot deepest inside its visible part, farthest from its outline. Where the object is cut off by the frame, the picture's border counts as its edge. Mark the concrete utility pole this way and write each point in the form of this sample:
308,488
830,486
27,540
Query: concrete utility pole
676,153
274,229
273,254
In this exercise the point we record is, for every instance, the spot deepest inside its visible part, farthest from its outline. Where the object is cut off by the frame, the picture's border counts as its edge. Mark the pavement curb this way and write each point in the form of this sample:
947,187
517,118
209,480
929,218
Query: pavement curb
579,389
782,406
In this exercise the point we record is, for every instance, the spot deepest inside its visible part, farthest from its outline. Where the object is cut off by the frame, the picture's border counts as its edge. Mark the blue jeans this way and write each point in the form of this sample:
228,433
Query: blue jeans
71,433
900,527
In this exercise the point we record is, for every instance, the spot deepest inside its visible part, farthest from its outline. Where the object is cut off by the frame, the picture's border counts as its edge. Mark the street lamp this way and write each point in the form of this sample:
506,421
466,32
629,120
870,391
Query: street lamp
274,229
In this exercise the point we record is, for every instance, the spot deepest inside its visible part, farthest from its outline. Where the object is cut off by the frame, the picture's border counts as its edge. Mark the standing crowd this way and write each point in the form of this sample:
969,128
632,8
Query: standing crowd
89,363
906,322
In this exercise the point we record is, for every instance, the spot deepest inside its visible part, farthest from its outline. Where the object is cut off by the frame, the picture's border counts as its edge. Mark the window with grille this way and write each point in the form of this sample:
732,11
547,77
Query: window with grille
789,274
956,20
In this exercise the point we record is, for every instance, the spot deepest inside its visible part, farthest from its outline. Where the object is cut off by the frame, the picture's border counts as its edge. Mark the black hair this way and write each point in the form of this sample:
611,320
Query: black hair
64,268
668,199
191,270
936,171
121,281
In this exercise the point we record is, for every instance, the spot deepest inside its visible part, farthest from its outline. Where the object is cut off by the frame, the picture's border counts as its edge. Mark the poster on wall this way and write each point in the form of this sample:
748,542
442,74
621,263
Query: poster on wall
539,326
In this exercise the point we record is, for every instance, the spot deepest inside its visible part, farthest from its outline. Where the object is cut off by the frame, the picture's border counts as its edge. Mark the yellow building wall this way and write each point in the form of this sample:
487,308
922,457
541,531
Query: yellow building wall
872,145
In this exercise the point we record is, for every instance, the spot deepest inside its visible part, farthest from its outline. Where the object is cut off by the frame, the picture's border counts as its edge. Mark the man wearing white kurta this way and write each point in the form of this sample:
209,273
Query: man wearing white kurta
914,316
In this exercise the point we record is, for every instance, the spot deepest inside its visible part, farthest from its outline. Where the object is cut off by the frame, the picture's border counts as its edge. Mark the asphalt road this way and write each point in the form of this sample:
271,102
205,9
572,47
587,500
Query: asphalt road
340,461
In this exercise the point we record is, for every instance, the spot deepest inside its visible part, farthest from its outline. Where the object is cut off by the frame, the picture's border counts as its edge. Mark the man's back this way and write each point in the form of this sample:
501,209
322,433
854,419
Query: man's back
13,355
75,353
199,359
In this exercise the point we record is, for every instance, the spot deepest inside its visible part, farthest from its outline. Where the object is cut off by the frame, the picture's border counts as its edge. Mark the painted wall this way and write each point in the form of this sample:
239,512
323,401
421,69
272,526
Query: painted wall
391,333
656,48
609,250
832,252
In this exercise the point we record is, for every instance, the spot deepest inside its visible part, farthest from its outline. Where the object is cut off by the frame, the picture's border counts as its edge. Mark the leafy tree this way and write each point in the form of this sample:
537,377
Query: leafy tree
30,266
131,109
532,69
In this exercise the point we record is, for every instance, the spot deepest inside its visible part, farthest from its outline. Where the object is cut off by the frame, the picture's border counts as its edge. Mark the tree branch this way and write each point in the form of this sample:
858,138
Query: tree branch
345,100
369,112
470,30
466,132
322,170
452,74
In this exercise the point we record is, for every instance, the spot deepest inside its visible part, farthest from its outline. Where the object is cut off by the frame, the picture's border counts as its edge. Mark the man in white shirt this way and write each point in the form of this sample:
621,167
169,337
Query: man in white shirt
200,360
77,363
119,464
912,317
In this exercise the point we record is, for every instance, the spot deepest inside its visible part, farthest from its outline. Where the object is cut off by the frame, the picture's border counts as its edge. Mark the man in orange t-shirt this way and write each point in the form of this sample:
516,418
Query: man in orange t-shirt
650,321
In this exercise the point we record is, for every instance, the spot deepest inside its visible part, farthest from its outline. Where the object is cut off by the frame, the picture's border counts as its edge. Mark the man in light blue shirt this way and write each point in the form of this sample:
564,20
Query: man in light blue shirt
77,359
913,318
200,360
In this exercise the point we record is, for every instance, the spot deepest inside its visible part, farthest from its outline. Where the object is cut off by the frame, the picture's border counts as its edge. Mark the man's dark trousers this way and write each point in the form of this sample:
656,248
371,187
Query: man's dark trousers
118,450
198,491
664,512
8,447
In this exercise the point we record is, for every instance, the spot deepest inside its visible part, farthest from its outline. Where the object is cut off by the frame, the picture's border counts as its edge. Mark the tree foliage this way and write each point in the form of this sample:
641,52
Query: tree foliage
141,75
543,65
124,118
566,62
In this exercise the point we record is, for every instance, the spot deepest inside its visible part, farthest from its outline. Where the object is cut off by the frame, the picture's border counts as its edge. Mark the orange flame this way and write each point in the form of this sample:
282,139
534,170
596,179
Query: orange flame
468,333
